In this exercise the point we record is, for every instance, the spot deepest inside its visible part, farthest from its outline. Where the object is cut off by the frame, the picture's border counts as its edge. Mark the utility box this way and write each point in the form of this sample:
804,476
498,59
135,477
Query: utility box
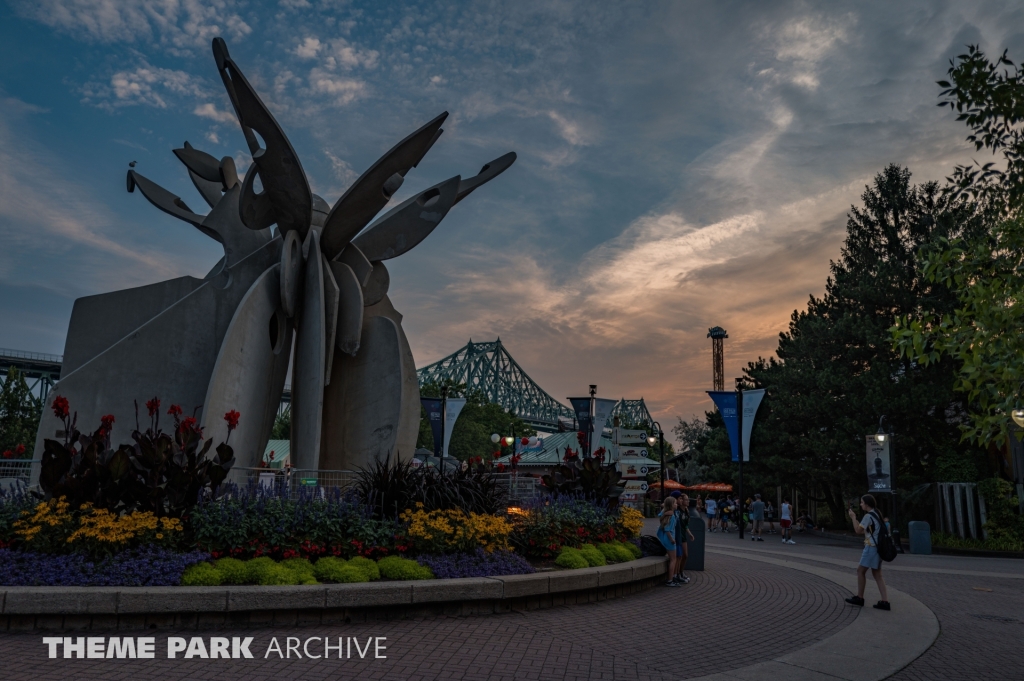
920,537
695,546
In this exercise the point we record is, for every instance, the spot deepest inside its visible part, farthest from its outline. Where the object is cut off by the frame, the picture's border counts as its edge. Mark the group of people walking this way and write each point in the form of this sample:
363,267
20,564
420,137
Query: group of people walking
726,513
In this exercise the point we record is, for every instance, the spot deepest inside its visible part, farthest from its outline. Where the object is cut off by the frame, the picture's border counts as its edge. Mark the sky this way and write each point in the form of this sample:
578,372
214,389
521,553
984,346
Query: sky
681,165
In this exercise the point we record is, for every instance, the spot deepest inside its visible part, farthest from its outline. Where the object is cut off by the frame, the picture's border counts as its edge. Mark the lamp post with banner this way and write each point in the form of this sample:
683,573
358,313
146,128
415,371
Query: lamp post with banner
661,450
882,472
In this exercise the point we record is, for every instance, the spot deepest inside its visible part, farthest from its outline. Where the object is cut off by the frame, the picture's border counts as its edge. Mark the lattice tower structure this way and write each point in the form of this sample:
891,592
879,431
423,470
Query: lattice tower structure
718,335
489,367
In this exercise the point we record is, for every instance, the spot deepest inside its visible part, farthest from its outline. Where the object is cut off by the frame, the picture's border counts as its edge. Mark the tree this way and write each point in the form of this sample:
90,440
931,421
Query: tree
282,426
981,334
836,371
19,416
477,421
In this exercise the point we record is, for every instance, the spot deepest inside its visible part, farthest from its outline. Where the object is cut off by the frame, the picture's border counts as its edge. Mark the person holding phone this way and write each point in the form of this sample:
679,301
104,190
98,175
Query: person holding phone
870,525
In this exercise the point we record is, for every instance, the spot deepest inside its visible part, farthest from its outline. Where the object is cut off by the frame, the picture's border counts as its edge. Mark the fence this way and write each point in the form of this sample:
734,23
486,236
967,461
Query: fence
292,480
16,470
521,488
960,510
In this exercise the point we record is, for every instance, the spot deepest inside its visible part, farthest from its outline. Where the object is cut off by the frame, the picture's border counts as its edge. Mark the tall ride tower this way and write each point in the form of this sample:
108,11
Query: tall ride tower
717,334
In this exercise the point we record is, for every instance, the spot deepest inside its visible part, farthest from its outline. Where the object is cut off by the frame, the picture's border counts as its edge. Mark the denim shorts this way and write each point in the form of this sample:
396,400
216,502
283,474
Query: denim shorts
869,558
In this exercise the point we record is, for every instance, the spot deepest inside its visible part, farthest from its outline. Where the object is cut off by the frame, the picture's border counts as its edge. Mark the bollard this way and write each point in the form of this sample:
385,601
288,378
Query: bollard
695,546
920,537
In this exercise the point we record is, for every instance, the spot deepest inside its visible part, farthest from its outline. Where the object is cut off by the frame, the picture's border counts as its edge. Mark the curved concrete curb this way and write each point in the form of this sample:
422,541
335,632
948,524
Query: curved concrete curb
47,607
876,646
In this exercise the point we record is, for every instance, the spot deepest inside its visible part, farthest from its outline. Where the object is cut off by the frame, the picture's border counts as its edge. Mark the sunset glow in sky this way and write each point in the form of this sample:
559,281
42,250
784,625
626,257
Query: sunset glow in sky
681,165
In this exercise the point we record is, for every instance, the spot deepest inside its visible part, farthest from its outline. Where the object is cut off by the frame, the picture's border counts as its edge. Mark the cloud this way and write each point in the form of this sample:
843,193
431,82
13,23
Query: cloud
343,91
211,111
144,85
176,25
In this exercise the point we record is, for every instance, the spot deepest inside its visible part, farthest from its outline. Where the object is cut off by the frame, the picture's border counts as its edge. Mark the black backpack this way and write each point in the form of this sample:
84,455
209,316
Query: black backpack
651,546
884,543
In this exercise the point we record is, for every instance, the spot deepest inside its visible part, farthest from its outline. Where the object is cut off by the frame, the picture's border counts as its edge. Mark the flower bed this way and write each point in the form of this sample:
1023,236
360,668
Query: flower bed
158,512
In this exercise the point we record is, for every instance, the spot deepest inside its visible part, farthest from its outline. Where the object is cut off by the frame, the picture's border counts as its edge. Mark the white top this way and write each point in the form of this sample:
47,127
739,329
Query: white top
871,529
710,506
787,512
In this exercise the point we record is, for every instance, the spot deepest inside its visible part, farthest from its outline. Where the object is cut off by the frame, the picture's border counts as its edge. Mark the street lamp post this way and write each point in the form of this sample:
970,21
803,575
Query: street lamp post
661,447
880,438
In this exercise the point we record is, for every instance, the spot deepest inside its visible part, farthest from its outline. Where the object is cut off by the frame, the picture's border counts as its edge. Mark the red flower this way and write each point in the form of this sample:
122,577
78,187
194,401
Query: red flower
8,454
189,423
153,405
60,407
501,468
174,411
107,421
19,450
496,455
232,418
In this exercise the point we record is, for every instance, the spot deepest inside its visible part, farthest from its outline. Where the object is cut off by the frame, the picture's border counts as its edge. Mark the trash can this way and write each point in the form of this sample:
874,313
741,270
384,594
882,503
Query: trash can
695,546
920,537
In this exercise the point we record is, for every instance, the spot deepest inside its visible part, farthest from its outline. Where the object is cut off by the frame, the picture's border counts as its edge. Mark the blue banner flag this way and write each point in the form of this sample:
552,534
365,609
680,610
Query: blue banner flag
432,405
726,403
581,405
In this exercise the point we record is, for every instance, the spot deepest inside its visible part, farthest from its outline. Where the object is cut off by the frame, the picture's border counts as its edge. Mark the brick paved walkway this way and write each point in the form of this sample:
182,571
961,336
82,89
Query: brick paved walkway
981,630
728,617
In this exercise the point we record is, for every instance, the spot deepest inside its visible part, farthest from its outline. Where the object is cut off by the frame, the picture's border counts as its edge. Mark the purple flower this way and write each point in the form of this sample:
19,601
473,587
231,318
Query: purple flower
477,564
145,566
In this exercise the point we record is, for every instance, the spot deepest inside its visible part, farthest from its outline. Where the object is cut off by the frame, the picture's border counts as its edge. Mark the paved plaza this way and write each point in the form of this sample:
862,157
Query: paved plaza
758,611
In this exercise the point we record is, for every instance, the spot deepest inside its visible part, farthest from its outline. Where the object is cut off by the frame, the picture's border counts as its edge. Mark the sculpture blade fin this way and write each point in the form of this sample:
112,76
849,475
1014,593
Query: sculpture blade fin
360,264
409,223
309,363
169,203
284,181
350,308
374,188
331,300
487,173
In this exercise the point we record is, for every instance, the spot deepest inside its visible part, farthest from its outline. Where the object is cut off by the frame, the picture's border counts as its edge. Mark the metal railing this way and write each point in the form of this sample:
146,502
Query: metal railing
17,469
34,356
520,488
292,480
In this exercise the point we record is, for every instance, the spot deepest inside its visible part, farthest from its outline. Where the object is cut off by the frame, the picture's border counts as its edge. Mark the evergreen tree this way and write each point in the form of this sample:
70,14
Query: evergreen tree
19,416
836,371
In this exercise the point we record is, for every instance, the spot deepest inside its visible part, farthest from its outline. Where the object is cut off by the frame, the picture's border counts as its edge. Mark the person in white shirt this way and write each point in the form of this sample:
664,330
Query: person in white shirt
711,508
786,522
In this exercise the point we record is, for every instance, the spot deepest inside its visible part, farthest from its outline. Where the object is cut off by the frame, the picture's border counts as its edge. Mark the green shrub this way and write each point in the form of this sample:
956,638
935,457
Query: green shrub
201,574
633,549
331,569
615,552
348,574
395,567
265,572
366,565
571,558
232,570
300,566
594,557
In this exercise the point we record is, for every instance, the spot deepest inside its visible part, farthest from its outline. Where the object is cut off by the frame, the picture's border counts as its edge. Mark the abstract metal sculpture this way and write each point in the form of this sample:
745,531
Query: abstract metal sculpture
225,341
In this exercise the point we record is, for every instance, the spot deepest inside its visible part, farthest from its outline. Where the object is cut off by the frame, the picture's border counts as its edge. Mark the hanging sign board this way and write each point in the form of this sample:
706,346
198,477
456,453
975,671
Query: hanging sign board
632,437
635,486
879,473
635,467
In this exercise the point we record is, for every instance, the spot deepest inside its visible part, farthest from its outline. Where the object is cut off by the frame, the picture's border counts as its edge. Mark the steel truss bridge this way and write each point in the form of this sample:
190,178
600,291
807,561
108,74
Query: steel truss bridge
487,367
490,368
39,370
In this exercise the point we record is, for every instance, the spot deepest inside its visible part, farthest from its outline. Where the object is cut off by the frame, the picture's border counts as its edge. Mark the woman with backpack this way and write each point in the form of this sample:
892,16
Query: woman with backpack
871,526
